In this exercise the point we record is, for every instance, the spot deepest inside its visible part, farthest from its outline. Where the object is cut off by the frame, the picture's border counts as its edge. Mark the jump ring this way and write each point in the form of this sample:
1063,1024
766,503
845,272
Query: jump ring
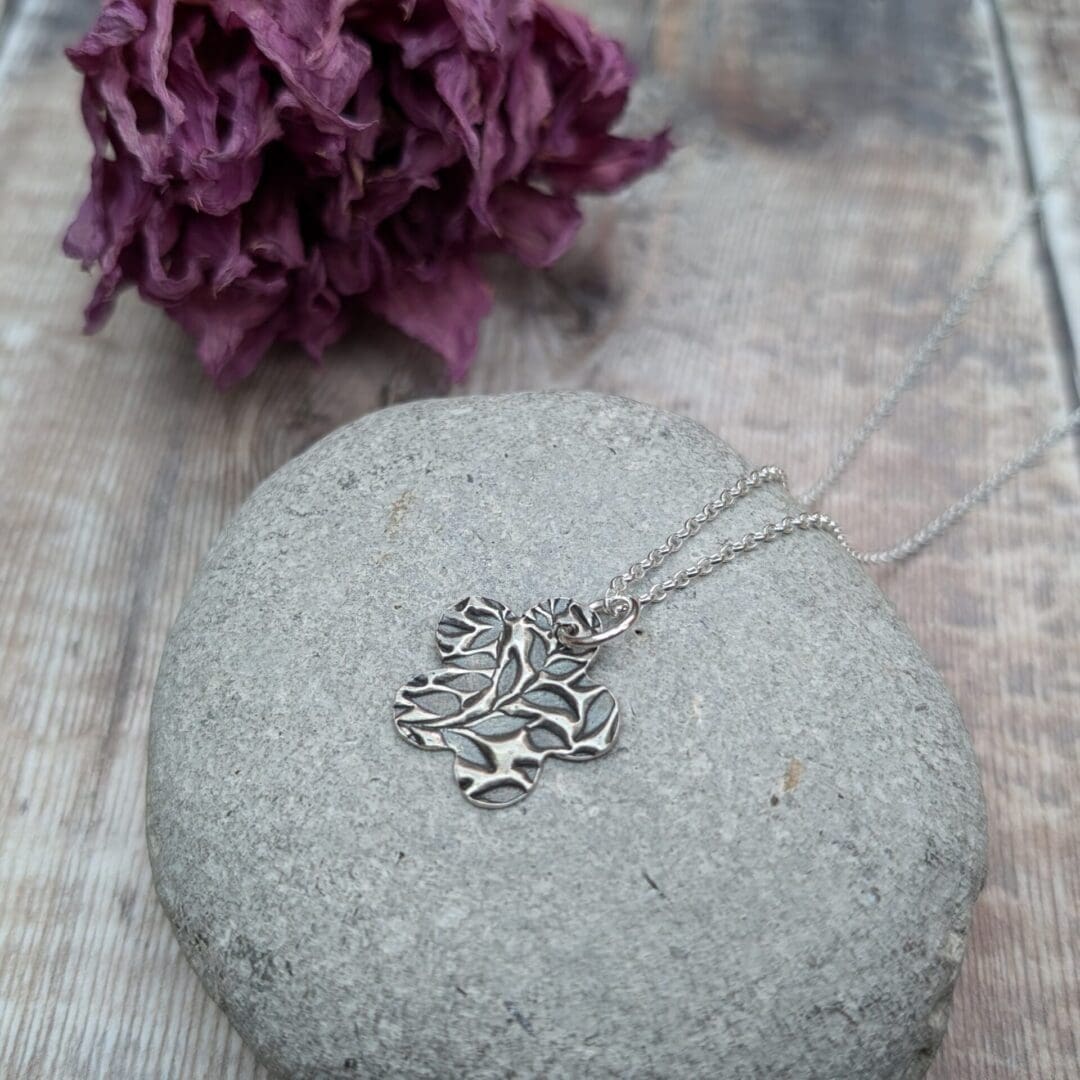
598,637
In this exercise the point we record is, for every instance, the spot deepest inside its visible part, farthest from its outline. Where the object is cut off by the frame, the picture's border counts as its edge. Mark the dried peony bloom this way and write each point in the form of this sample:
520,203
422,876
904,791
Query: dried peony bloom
263,167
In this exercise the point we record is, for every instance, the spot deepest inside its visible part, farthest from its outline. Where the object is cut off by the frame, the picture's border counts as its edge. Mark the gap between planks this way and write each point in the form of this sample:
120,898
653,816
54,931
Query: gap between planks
1002,55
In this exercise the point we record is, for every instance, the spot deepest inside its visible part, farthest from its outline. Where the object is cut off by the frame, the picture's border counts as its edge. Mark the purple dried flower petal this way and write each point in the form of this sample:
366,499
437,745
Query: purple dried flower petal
457,83
264,168
443,311
305,44
536,227
603,163
120,21
476,20
424,34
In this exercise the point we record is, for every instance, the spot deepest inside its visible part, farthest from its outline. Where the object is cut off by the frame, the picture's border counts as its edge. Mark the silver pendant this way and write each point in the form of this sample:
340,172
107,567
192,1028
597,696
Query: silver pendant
512,695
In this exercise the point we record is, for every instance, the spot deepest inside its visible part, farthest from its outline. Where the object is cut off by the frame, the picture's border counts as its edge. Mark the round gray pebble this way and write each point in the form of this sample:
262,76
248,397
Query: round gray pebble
772,875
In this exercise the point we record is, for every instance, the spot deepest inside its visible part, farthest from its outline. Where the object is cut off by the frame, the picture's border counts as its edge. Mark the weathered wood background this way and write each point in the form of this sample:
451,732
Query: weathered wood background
842,165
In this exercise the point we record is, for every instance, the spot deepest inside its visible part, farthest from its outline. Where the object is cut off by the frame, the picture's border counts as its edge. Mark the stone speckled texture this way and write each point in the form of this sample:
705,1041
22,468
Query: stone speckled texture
771,876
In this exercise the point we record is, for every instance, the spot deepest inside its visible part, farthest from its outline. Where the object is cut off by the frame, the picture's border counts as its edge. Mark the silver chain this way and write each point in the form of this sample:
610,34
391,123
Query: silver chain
618,602
615,600
979,494
930,347
620,605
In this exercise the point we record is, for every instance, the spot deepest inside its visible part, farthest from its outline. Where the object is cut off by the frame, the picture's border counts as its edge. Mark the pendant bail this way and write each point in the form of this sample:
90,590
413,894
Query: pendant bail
630,608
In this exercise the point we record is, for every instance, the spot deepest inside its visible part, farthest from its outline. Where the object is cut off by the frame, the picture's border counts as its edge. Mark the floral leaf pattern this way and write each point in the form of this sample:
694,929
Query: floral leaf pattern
510,696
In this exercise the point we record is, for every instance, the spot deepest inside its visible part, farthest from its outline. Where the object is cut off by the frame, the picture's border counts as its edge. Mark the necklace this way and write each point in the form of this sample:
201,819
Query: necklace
516,690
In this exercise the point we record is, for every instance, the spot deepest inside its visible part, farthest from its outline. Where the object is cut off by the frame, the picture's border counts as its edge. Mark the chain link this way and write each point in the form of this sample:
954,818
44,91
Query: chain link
914,543
930,346
615,600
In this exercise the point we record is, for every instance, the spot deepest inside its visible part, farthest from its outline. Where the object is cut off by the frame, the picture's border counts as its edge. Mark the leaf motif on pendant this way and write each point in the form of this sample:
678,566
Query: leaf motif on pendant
511,696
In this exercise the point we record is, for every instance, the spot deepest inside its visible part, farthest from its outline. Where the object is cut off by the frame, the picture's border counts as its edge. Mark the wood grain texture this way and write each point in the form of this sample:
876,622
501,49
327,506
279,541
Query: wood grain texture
1042,45
841,167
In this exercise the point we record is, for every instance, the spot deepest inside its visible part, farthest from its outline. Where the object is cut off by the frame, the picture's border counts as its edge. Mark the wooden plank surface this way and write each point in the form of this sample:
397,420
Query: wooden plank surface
841,166
1042,42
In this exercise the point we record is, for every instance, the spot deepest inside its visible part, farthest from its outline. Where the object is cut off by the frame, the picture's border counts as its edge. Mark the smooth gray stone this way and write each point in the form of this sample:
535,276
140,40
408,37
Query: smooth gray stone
771,876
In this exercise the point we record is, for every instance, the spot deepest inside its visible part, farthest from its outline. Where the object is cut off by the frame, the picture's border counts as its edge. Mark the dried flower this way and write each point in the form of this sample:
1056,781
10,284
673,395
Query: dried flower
264,167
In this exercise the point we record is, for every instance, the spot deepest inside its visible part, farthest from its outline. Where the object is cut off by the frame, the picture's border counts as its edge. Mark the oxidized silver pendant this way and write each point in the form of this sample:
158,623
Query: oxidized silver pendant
514,693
